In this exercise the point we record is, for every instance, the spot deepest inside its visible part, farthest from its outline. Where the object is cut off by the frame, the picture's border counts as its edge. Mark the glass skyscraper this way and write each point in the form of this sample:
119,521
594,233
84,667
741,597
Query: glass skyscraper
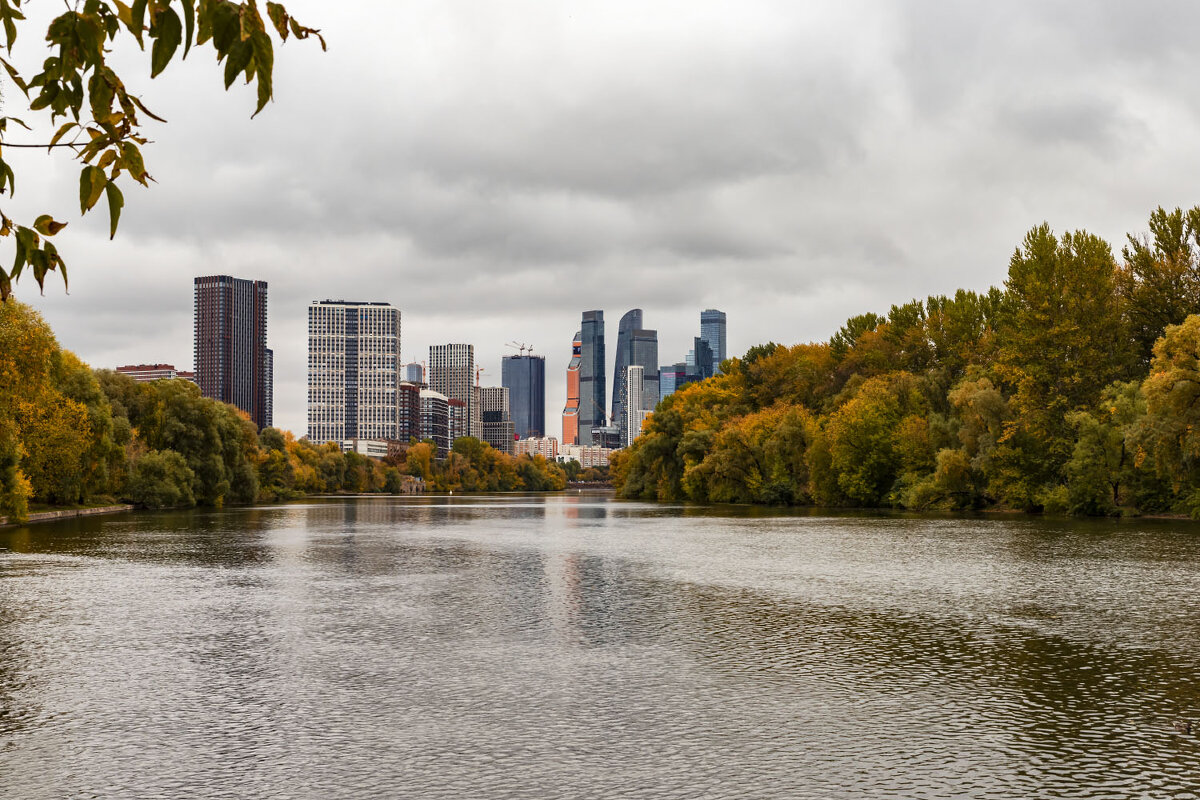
592,384
629,323
712,331
525,378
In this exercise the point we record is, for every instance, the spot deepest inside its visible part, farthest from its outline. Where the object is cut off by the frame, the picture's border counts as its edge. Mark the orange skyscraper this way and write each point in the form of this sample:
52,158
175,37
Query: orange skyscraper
570,434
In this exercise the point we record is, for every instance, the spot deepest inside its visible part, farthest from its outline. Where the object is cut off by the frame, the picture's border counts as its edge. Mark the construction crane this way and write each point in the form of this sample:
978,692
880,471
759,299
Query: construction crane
478,371
521,346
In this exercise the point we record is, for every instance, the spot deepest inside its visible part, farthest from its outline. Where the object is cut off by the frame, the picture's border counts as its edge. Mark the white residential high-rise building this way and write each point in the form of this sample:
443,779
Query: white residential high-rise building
635,398
452,373
354,367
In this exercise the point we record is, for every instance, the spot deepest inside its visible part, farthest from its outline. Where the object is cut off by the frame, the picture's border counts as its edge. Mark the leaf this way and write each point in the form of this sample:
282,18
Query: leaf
145,110
264,59
239,56
124,13
131,159
7,179
116,201
251,21
189,25
167,33
137,13
47,226
61,133
279,18
91,184
107,159
26,244
16,77
302,33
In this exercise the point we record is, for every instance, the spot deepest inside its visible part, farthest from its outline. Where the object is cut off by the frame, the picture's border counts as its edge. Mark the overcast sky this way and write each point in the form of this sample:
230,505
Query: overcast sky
496,168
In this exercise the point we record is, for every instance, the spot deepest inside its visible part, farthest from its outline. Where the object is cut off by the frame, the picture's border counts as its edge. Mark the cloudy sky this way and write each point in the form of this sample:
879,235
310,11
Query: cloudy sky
495,168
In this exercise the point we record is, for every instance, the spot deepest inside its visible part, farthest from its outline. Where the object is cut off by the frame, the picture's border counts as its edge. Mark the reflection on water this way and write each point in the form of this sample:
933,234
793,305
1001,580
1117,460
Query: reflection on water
574,646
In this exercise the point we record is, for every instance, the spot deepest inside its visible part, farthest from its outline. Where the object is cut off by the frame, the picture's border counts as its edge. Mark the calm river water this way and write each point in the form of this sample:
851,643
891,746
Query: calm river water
580,647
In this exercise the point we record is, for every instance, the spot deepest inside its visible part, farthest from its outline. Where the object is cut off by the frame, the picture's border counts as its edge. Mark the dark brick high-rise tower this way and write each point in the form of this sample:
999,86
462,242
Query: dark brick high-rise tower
233,364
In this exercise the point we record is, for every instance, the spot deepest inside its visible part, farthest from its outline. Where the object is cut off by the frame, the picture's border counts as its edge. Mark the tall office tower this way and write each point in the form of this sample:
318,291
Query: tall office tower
570,426
525,378
712,330
435,421
629,323
414,373
634,375
642,351
353,371
497,417
592,384
703,367
231,344
452,373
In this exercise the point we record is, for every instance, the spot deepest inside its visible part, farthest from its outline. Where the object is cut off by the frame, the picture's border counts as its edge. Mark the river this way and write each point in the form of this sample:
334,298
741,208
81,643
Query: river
577,646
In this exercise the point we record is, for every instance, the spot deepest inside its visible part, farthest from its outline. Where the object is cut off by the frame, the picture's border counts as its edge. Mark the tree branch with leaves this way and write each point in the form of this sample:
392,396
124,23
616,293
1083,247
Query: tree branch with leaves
95,114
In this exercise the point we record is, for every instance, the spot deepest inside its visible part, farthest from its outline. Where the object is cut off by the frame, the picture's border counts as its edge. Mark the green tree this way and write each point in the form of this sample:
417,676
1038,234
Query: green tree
1160,280
161,479
1061,340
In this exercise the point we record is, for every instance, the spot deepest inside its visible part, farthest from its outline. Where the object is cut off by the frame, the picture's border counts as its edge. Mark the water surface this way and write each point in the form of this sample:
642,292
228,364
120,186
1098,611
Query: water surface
579,647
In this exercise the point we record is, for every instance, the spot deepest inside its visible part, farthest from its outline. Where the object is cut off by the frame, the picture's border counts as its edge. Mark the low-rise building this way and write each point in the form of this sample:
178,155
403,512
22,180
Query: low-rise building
544,446
144,373
586,455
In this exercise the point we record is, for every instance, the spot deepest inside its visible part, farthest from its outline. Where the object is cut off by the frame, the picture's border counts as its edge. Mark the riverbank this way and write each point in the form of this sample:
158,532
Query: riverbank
66,513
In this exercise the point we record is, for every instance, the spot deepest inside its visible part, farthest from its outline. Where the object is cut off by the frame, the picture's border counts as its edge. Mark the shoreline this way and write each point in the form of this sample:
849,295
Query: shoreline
67,513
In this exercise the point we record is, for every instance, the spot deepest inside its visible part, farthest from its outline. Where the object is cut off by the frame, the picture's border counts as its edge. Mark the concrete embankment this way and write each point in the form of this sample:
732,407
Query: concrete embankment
67,513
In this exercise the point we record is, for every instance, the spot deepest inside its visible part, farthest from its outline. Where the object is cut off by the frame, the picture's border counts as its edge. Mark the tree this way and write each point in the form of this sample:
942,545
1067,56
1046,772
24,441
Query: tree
1160,280
161,479
97,116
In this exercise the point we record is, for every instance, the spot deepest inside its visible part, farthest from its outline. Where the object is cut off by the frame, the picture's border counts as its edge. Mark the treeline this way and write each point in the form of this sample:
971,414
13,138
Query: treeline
73,436
1074,388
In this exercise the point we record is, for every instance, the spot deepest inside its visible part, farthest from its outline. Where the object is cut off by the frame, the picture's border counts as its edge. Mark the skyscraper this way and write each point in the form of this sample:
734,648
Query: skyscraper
232,361
414,372
452,373
712,330
497,417
641,350
525,378
592,384
703,359
632,424
629,323
570,426
354,369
